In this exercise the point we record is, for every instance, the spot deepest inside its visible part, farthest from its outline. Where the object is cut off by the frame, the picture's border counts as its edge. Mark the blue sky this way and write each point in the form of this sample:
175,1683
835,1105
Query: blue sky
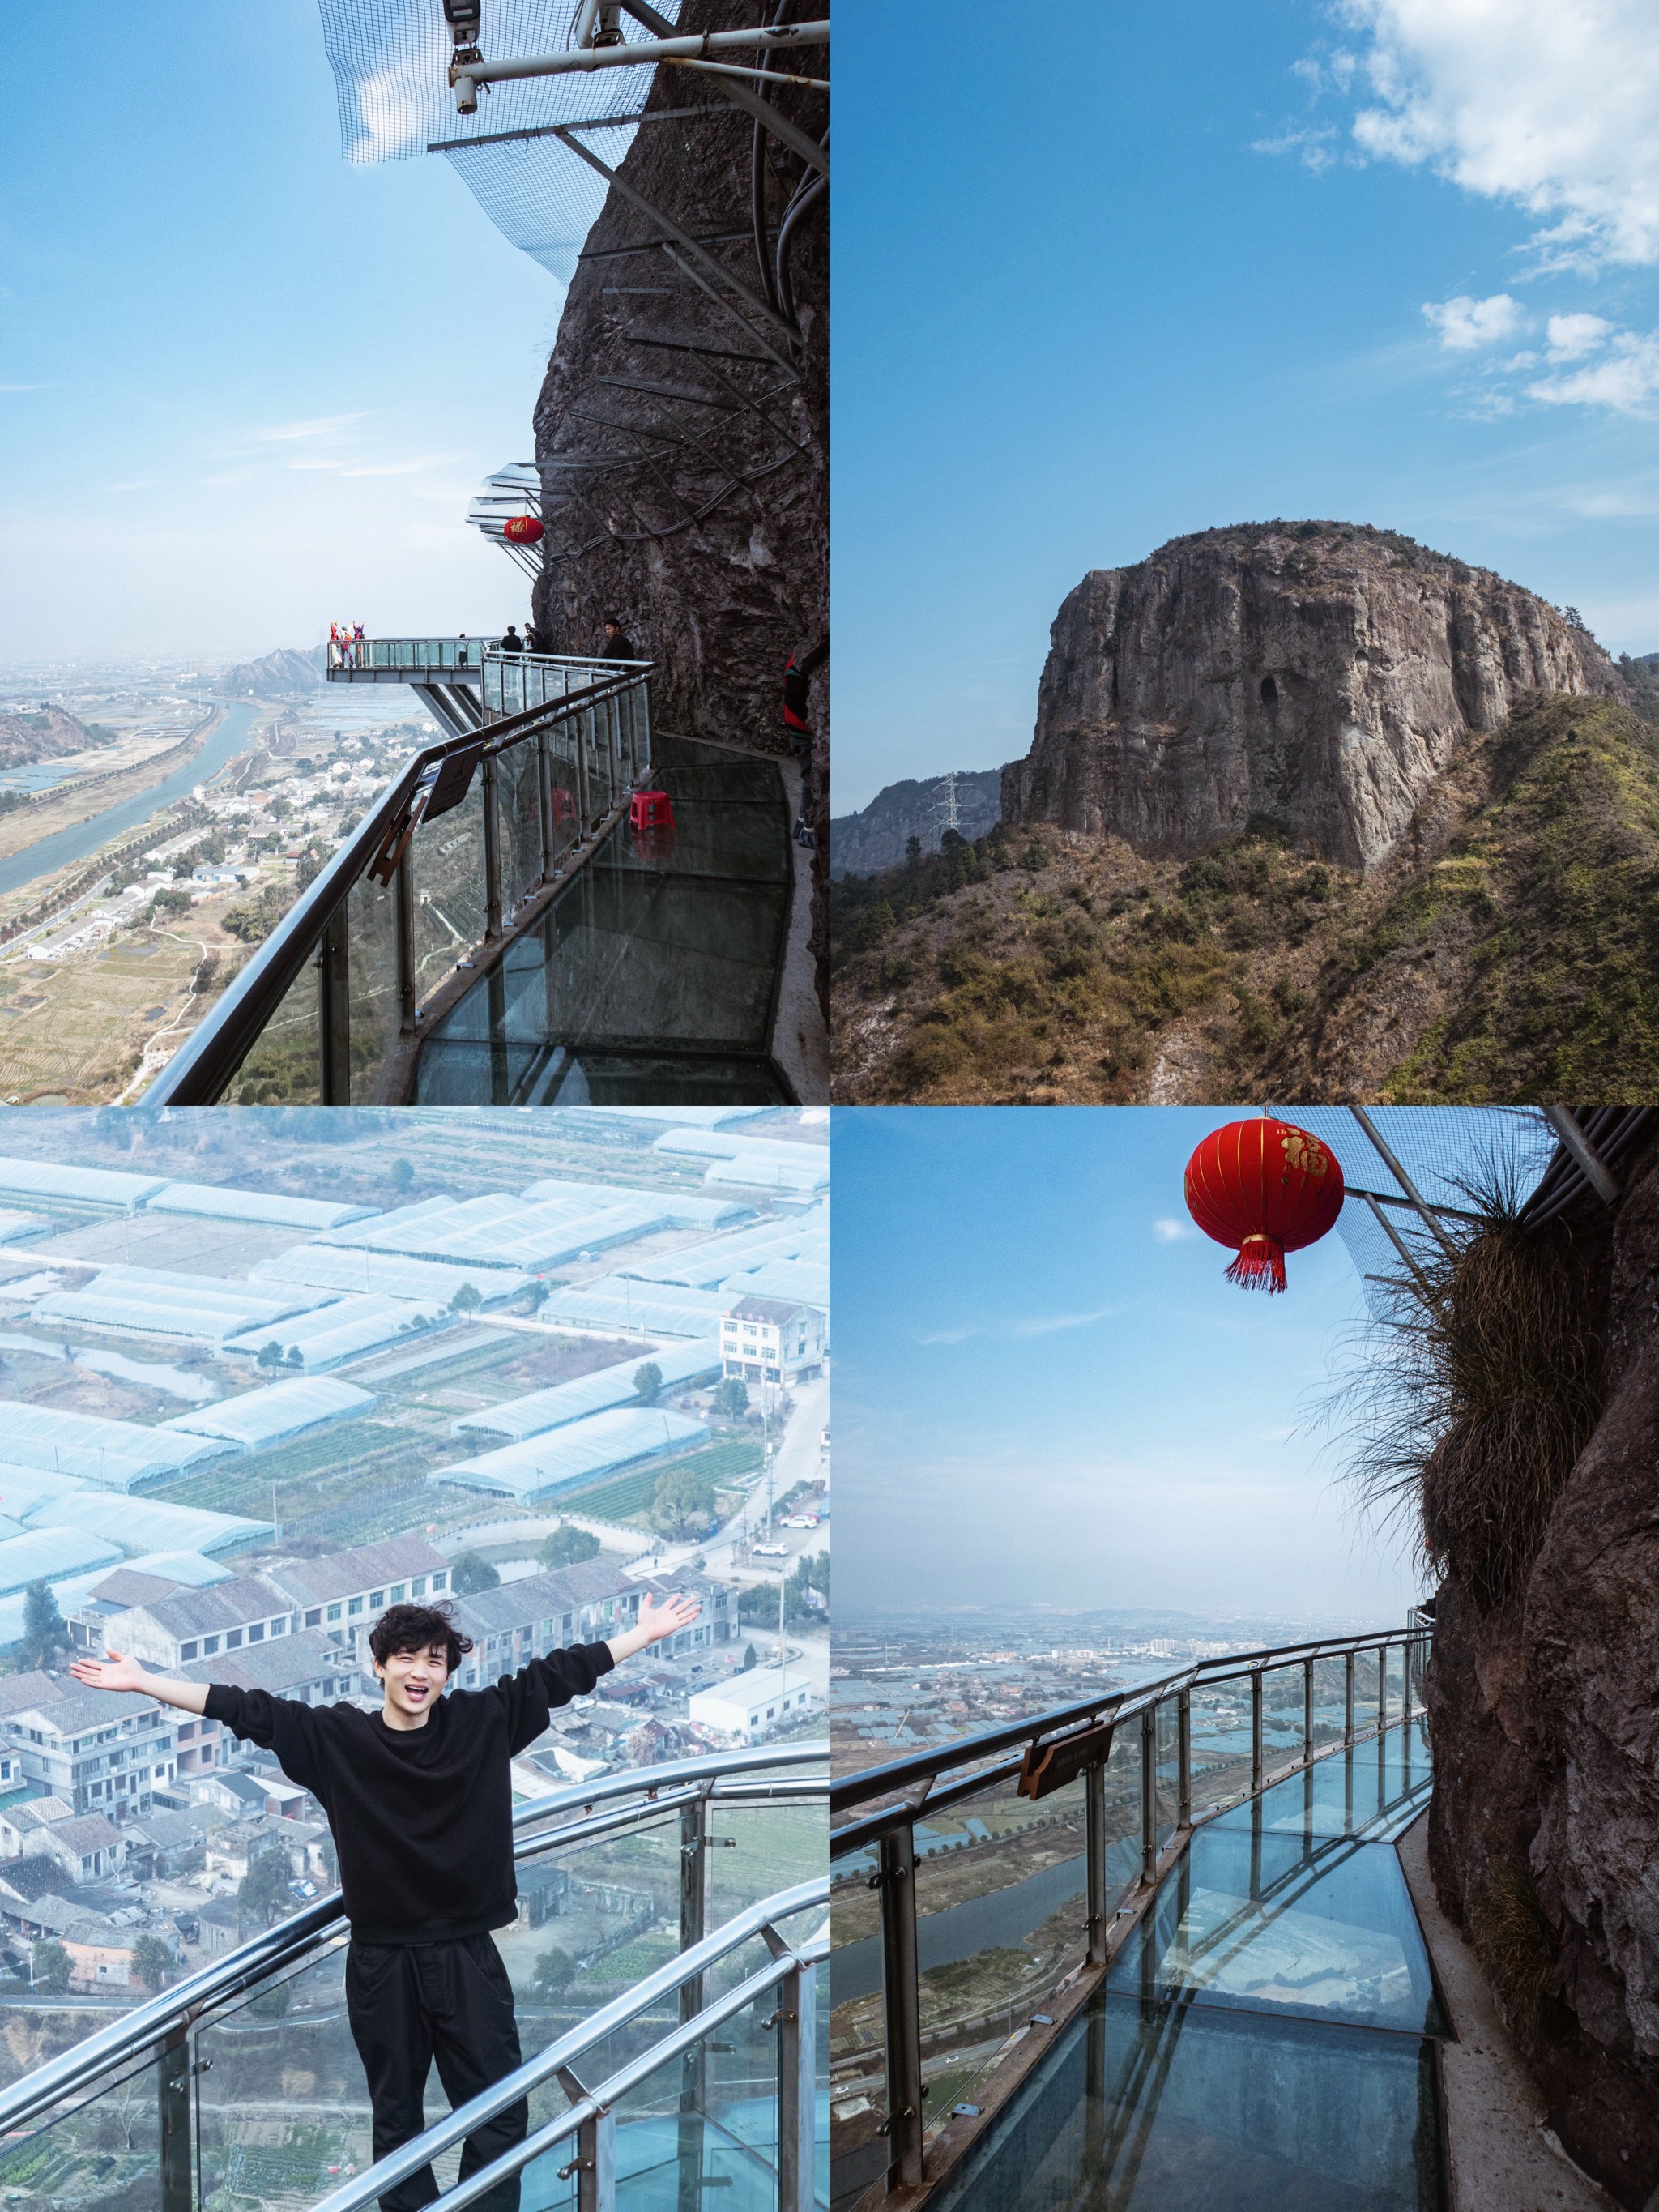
245,387
1046,1391
1139,271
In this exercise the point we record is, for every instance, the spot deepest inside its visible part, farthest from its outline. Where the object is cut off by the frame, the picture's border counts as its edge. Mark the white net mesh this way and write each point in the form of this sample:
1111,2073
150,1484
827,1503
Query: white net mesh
390,63
1451,1153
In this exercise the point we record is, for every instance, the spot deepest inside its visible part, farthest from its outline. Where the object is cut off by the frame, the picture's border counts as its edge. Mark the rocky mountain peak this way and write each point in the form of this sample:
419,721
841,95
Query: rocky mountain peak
1319,675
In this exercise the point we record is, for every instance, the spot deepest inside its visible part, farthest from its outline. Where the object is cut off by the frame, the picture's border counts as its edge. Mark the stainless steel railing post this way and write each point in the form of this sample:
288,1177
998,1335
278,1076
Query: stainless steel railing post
1148,1792
174,2085
544,798
1094,1845
584,792
1255,1731
694,1915
1184,1736
902,2001
492,848
595,2164
1382,1686
1307,1710
798,2032
1347,1697
1405,1651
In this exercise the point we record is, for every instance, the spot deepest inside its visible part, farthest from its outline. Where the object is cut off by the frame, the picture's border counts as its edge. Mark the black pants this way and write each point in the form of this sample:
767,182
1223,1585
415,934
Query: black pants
410,2003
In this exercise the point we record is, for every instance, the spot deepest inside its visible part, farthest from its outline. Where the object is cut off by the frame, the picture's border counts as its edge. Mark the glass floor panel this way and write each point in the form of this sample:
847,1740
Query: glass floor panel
1305,1927
652,975
1178,2107
1376,1791
1264,2041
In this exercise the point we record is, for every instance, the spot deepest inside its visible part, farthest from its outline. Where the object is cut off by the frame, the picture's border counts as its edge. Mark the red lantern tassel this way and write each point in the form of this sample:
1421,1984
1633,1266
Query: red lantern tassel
1260,1266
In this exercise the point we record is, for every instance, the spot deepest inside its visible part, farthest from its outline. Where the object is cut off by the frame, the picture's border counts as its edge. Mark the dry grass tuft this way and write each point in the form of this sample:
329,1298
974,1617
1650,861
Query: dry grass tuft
1467,1419
1514,1941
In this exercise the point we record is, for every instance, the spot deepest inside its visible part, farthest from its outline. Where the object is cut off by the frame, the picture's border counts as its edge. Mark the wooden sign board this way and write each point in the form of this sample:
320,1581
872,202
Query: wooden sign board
1050,1765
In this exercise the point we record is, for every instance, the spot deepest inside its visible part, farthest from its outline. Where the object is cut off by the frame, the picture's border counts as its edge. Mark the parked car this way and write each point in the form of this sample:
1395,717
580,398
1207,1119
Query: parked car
801,1521
771,1550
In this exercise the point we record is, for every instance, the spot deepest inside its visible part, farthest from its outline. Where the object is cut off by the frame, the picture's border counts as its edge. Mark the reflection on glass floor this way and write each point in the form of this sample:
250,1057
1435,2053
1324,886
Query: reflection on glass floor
1263,2040
652,976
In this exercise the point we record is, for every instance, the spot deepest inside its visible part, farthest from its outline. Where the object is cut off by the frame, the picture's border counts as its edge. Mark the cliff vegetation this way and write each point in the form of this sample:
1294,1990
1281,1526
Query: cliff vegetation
1507,948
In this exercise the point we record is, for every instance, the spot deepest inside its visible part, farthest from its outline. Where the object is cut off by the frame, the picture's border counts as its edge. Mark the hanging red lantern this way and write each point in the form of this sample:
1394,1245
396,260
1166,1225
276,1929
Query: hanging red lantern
522,530
1266,1188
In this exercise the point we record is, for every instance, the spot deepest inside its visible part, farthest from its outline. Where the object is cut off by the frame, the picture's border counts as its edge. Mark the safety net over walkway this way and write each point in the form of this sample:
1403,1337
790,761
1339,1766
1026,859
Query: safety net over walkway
391,62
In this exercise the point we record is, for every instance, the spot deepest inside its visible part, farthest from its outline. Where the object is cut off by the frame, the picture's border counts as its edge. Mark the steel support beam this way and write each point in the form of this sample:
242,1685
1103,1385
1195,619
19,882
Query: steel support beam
1307,1710
1148,1793
1094,1847
1381,1145
742,95
798,2030
1597,1173
1255,1731
1184,1733
175,2075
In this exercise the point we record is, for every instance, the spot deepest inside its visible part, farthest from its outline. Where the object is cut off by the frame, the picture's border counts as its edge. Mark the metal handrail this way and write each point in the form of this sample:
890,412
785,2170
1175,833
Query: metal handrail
311,1929
198,1072
1204,1674
601,2102
759,1920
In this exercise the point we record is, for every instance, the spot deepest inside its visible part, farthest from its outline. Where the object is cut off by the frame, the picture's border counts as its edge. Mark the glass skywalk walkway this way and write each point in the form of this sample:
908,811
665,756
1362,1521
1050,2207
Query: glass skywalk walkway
1262,2041
1149,1953
495,931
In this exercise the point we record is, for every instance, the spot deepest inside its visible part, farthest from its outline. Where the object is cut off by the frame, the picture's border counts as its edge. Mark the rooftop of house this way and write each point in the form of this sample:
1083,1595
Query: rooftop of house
29,1879
91,1832
124,1589
343,1574
289,1663
65,1706
234,1604
778,1311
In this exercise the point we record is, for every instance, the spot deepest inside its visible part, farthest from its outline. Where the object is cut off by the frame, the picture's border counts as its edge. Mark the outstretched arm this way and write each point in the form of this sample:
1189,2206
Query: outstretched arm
655,1622
119,1673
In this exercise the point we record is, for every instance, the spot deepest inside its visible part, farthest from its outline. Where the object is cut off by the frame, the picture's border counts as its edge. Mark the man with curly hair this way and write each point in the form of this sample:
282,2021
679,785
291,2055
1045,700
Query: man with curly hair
419,1799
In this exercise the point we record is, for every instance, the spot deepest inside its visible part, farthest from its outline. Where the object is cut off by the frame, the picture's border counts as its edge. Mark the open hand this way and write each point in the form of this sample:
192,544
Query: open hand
115,1673
668,1618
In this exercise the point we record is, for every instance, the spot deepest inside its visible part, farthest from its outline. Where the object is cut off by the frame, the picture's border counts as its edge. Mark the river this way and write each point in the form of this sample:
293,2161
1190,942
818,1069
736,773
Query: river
86,837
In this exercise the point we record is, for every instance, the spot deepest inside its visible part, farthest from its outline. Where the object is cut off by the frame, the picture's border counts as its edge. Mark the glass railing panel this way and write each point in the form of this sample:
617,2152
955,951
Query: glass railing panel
1329,1676
375,1007
1289,1925
855,2042
1220,1743
704,2123
104,2155
1001,1896
1378,1792
282,2108
284,1067
564,790
1122,1827
590,737
594,1918
519,819
1167,1775
1281,1717
447,859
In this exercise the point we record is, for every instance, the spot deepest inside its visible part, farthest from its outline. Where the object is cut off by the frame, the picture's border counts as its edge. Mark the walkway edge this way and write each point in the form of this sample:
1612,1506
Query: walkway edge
1500,2151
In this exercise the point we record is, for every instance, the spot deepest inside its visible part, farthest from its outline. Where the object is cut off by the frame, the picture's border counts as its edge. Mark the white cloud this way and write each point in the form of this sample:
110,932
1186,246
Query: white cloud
1170,1232
1317,148
1571,336
1626,380
1551,105
321,426
1465,323
1050,1324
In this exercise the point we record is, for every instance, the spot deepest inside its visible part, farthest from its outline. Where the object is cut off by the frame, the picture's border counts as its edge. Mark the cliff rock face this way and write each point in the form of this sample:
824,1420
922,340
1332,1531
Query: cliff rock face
683,439
1319,674
1544,1720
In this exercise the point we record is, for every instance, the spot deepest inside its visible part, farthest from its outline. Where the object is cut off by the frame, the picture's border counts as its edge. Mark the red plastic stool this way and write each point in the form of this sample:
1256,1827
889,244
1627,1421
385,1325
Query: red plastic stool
650,810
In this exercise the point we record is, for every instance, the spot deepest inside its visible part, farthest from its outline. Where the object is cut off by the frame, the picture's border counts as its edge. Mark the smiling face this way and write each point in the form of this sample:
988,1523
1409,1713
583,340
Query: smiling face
413,1681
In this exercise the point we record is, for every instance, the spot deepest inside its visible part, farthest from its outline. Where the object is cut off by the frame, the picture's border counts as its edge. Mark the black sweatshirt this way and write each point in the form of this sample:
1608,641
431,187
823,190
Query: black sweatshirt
422,1817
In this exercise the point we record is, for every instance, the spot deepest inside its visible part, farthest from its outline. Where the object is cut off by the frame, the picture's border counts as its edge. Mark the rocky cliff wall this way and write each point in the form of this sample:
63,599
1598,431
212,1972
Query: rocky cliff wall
1544,1714
1319,674
686,483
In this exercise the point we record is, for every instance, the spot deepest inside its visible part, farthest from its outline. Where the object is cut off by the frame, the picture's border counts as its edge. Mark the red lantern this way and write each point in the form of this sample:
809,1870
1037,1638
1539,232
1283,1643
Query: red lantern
1266,1188
522,530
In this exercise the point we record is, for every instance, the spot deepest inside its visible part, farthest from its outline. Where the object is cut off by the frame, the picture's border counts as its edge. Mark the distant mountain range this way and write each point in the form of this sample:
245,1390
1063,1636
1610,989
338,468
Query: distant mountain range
863,844
276,675
52,734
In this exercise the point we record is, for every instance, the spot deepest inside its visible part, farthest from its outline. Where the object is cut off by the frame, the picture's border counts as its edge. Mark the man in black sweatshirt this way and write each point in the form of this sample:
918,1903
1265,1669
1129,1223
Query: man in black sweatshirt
419,1799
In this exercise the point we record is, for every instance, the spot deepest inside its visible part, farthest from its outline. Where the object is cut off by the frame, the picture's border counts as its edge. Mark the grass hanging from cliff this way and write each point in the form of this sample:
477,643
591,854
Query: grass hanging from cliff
1464,1417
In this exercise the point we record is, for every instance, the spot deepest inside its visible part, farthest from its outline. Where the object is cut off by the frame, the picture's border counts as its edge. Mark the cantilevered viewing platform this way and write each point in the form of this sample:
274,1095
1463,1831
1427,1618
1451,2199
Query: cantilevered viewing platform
506,926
